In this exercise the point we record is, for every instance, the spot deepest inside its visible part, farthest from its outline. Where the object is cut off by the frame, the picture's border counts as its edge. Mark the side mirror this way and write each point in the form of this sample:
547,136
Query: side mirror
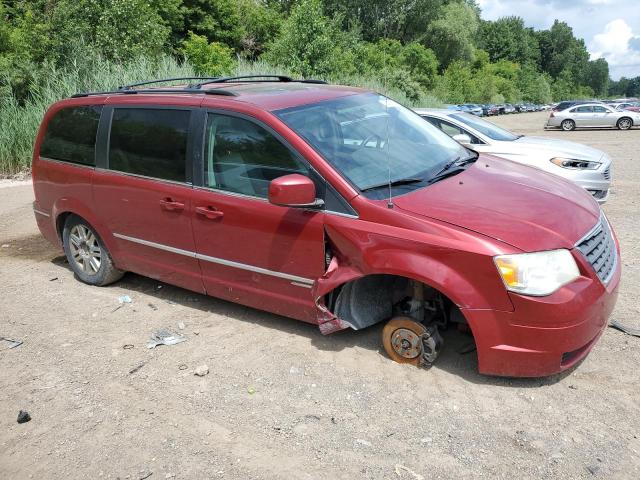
462,138
295,191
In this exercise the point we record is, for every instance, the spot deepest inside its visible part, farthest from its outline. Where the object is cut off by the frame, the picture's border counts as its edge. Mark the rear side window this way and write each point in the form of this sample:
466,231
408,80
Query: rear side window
71,135
149,142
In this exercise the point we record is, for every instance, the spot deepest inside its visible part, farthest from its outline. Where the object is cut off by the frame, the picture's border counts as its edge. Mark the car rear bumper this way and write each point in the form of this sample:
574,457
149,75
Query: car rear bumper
543,335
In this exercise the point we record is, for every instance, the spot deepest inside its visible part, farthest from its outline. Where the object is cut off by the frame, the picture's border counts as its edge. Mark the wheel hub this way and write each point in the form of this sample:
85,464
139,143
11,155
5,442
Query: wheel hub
406,343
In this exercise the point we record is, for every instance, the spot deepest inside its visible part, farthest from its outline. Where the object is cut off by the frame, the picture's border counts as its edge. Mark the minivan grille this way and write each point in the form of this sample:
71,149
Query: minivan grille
607,173
599,249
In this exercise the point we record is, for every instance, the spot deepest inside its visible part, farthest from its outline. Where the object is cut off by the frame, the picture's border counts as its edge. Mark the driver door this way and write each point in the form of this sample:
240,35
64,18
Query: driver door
250,251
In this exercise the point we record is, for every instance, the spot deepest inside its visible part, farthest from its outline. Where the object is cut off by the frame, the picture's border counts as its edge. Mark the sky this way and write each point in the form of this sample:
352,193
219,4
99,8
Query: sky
610,28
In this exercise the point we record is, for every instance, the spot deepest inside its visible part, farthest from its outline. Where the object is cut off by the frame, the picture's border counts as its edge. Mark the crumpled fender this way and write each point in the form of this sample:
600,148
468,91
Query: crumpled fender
440,268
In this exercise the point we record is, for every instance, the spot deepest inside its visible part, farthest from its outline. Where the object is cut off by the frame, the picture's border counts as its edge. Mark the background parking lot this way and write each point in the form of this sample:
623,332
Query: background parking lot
281,400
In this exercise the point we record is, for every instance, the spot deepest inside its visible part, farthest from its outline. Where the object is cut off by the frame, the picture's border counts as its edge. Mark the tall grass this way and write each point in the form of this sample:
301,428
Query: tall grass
90,72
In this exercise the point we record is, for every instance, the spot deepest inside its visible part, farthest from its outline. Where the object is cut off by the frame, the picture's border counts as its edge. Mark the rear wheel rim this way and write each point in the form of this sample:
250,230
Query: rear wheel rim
566,125
85,249
624,124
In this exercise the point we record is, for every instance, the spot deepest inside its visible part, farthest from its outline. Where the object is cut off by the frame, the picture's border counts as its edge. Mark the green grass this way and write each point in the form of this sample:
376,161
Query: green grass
90,72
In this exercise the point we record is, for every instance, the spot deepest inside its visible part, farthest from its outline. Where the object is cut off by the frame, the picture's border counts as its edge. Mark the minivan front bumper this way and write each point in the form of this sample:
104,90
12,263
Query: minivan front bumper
543,335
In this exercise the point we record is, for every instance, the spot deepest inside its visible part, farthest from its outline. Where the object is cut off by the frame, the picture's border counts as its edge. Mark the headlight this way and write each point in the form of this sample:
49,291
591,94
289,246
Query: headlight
539,273
575,164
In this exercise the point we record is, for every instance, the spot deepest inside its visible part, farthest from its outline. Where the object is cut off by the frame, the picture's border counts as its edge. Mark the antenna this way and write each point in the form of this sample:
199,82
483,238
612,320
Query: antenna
386,111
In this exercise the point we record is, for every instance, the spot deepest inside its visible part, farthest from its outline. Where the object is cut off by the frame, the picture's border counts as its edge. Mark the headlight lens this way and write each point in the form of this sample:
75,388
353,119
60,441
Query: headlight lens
539,273
575,164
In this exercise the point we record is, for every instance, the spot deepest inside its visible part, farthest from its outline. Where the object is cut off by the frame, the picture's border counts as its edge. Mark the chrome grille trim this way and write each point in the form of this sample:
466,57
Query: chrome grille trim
599,249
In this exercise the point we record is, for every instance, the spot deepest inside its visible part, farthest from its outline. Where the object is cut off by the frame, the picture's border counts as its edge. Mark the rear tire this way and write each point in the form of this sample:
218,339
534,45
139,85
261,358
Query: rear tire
87,255
568,125
624,123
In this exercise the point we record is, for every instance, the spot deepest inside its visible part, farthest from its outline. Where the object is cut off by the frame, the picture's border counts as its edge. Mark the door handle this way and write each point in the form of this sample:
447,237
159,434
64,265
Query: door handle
209,212
171,205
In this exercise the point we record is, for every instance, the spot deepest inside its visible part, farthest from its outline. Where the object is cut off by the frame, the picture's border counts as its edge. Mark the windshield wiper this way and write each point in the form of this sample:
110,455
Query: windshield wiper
392,183
457,162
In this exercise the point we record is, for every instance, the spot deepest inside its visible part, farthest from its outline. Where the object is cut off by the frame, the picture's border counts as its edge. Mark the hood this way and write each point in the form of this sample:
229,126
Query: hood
559,148
527,208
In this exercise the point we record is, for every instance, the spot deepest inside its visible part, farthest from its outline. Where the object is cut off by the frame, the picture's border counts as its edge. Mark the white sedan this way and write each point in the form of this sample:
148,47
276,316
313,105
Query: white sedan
592,115
586,166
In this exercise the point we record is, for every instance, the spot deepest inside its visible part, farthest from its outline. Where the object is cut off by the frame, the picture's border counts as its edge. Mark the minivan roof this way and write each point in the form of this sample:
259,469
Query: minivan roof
267,95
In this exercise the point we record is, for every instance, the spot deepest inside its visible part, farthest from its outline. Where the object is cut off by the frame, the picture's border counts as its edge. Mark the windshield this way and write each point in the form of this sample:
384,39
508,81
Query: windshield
374,141
486,128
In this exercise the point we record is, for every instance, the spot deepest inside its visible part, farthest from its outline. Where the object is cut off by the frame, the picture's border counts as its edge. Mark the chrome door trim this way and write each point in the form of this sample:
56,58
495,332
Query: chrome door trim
295,280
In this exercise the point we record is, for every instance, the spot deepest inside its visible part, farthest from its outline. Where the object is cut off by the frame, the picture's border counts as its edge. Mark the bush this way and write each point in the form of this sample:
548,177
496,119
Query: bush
210,59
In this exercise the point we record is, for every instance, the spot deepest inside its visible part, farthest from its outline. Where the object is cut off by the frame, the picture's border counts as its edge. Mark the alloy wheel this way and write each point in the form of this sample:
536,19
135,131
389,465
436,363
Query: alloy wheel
85,249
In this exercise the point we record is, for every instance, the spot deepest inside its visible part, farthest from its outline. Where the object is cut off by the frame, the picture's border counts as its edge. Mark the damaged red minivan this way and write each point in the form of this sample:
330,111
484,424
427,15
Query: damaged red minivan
332,205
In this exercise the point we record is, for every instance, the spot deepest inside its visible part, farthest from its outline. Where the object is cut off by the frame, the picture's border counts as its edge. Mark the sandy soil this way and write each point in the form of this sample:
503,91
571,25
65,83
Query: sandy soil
281,400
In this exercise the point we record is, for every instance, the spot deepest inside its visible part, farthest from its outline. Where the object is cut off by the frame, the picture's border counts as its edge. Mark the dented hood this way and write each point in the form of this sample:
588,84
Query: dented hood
519,205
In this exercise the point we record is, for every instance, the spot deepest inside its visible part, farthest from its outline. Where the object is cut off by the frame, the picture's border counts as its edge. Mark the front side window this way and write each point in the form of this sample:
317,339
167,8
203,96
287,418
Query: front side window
71,135
374,142
149,142
243,157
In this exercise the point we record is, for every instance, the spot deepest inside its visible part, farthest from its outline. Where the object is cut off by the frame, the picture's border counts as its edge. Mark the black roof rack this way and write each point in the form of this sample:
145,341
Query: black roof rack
257,78
214,91
163,80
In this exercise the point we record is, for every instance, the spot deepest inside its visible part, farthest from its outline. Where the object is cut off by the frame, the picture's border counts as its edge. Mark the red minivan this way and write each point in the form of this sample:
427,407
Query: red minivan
332,205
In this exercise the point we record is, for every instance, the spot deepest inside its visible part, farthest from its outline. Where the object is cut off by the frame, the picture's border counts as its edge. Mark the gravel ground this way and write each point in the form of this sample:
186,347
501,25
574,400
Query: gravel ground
280,400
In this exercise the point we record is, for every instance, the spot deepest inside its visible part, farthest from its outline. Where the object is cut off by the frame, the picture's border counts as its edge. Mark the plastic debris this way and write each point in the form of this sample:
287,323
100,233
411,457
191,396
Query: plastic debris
251,390
136,368
128,346
182,366
12,343
201,371
124,299
181,325
23,416
412,474
164,337
635,332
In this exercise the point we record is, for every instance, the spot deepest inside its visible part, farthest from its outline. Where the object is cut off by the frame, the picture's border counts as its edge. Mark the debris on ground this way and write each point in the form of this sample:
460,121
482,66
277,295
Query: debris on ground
251,390
400,468
136,368
145,476
12,343
23,416
128,346
201,371
124,299
152,306
182,366
635,332
164,337
53,279
181,325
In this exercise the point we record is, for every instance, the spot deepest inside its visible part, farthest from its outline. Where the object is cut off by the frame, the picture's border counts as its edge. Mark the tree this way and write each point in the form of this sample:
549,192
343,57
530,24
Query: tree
560,51
451,35
218,20
421,62
311,44
596,76
260,25
508,39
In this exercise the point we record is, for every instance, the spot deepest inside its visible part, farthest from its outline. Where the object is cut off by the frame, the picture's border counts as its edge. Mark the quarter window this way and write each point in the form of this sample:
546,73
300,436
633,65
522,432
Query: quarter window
243,157
149,142
71,135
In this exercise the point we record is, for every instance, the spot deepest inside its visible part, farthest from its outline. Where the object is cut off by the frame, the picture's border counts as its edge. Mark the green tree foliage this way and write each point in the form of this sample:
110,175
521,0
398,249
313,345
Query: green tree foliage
596,76
625,87
311,44
208,59
451,35
218,20
260,26
508,39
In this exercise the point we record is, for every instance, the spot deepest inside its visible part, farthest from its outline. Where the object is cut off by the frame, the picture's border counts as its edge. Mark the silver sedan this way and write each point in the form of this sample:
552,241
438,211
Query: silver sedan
592,115
586,166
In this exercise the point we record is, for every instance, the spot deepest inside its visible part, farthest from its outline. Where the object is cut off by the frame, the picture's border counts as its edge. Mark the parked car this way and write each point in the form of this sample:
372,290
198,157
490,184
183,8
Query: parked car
331,205
489,110
508,108
570,103
586,166
472,108
592,115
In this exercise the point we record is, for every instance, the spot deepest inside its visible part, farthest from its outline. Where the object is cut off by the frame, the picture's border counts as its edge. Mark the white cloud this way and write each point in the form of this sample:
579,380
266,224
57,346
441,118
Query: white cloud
617,43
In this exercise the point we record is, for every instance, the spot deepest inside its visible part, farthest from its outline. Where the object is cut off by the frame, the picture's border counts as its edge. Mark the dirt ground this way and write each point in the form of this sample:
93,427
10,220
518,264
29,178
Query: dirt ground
280,399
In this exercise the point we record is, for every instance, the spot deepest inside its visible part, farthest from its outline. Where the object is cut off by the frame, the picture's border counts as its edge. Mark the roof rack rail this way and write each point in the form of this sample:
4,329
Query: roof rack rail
215,91
163,80
257,78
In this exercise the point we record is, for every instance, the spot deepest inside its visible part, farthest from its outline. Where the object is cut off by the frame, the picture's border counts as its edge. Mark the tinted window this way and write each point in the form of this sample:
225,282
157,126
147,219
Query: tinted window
600,109
243,157
583,109
71,135
149,142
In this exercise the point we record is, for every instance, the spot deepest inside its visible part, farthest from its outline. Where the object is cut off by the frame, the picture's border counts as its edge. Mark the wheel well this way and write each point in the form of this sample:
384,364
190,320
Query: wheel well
628,118
371,299
60,221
